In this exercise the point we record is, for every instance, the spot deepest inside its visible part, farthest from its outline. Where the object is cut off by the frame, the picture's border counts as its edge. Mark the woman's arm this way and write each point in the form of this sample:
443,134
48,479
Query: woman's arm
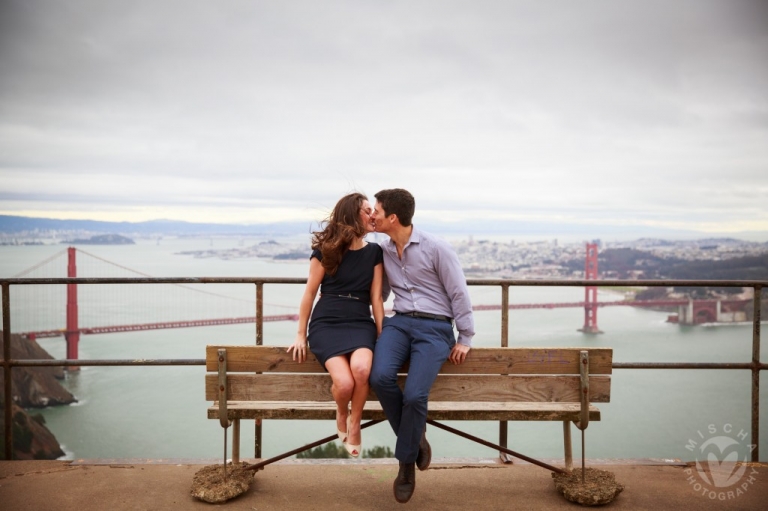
316,274
377,302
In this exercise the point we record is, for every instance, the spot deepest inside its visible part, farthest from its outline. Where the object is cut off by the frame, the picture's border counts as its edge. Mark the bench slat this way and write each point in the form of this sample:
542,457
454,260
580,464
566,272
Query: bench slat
317,387
438,410
262,359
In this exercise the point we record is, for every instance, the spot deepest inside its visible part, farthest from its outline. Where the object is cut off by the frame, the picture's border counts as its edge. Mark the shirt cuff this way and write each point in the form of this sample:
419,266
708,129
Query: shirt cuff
465,340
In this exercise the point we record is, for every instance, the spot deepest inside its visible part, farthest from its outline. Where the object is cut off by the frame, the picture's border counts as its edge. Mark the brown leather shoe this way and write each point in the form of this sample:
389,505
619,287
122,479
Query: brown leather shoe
424,458
405,482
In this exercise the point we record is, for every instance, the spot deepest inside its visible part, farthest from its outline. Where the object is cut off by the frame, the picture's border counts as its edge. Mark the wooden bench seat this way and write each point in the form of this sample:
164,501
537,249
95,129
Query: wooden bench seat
438,410
499,384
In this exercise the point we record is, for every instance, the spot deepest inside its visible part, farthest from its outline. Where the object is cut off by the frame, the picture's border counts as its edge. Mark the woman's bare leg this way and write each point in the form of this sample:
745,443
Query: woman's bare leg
342,388
360,367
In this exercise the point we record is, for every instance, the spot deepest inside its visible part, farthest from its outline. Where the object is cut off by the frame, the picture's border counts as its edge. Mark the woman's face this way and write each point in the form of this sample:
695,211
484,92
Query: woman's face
365,215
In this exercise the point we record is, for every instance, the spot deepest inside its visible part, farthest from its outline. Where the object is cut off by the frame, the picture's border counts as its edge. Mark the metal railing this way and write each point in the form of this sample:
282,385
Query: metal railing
755,366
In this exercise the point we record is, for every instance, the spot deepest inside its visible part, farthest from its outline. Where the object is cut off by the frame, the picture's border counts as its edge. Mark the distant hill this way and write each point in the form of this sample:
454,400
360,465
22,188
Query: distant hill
514,229
20,224
623,261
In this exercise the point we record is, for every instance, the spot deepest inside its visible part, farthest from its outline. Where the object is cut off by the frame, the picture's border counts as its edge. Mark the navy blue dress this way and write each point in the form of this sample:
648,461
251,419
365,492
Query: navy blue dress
341,321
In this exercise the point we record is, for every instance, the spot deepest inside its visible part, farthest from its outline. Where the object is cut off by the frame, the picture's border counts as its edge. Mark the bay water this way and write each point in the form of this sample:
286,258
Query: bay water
160,412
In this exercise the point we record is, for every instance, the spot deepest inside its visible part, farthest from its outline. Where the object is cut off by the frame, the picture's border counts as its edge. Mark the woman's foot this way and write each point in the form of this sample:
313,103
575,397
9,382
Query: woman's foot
352,449
341,421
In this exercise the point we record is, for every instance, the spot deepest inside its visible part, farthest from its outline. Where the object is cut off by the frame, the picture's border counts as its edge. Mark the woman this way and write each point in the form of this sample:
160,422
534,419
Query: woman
341,334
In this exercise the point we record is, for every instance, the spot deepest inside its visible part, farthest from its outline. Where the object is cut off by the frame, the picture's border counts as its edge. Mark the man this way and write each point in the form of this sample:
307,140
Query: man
430,294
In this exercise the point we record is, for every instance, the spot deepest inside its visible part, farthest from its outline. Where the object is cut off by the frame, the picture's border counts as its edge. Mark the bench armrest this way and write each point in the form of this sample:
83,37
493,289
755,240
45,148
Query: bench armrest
584,388
223,388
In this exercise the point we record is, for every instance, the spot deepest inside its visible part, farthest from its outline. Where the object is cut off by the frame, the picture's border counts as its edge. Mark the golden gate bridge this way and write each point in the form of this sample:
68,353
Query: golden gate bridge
128,309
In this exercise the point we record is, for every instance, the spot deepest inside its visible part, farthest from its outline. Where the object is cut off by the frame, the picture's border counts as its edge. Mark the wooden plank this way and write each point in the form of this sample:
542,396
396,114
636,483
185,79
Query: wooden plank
439,410
260,359
479,361
488,388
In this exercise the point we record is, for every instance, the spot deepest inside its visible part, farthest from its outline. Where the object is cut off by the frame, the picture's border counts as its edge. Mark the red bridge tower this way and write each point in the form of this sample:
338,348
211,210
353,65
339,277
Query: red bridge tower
590,292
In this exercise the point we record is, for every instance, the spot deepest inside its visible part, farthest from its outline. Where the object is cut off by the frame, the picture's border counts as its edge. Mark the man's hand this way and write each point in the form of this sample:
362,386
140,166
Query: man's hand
458,353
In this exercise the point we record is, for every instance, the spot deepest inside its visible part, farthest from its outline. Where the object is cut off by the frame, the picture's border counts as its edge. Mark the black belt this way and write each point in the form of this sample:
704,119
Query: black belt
348,296
424,315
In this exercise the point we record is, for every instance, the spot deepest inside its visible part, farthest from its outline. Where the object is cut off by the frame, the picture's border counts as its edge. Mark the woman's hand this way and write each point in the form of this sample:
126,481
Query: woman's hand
299,348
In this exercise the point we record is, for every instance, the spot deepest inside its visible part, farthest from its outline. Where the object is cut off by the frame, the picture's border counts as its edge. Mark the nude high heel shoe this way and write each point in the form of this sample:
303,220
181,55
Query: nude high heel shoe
353,450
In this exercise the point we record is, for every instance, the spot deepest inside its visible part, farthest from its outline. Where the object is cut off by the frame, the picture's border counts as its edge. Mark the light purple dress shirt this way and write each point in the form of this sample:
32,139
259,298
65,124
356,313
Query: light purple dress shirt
429,279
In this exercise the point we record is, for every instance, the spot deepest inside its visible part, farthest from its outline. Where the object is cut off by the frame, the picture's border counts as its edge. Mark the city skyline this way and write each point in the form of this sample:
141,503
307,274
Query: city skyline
556,117
31,228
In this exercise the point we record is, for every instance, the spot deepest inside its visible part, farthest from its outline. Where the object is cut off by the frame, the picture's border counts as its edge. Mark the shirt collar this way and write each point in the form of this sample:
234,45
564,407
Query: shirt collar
415,235
415,238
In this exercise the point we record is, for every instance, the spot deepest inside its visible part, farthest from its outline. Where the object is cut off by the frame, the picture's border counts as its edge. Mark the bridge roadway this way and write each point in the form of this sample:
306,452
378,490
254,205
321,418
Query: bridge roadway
294,317
559,305
95,485
162,325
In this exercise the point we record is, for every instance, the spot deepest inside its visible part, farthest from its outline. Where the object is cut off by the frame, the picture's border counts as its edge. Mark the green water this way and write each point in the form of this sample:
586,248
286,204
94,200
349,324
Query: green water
160,412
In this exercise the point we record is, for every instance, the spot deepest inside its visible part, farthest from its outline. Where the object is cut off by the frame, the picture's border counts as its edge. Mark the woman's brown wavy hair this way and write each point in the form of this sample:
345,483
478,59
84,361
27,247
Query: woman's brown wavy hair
339,231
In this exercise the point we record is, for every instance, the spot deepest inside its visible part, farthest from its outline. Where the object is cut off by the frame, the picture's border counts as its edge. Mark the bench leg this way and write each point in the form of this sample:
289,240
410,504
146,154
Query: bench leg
257,430
567,445
503,434
236,441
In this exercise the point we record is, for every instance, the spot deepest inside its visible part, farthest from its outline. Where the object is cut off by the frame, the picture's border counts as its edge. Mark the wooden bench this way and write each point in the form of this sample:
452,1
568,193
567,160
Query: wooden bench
496,384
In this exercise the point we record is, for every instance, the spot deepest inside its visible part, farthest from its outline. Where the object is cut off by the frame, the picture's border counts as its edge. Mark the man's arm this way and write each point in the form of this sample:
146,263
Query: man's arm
455,283
386,289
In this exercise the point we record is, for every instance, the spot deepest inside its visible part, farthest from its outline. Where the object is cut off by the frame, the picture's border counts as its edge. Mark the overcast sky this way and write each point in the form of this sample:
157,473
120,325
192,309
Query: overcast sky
620,113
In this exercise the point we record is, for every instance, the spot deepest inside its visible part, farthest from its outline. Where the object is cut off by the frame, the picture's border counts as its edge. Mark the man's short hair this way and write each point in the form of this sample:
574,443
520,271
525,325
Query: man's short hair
399,202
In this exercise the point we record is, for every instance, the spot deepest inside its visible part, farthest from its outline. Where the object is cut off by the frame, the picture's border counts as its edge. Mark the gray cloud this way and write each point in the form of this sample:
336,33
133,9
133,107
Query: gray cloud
622,111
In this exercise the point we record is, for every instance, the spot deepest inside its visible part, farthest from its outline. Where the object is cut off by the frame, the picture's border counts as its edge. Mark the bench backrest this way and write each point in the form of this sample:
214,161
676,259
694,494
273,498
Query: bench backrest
267,373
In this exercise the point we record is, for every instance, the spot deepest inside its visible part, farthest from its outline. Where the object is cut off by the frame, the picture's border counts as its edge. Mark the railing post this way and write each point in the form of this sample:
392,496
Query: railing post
757,302
257,433
503,428
72,334
7,380
259,313
504,314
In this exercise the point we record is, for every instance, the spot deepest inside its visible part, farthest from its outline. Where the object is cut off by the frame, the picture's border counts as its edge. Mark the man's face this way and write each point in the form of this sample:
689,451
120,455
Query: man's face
379,218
